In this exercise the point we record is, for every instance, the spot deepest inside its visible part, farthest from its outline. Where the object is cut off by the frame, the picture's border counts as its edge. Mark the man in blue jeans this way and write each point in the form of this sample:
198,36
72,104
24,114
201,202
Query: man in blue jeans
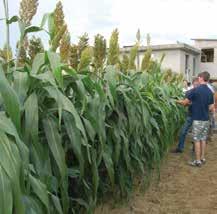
187,125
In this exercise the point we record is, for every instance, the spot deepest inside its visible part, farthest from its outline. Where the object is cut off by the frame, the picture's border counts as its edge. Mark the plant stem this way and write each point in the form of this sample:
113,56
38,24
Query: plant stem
5,2
17,55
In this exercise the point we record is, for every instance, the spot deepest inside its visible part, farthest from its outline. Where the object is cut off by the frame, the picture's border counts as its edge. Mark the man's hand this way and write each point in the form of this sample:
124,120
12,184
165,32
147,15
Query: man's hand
184,102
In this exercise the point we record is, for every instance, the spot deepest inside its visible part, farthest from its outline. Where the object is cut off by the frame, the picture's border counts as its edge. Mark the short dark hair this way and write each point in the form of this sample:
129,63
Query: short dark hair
205,75
195,79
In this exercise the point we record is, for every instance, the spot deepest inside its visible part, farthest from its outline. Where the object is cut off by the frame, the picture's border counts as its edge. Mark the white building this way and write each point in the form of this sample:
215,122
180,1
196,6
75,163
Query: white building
184,58
208,48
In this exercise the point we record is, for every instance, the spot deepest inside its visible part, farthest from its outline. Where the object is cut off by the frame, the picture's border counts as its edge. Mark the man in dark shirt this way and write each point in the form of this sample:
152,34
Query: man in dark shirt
201,99
188,122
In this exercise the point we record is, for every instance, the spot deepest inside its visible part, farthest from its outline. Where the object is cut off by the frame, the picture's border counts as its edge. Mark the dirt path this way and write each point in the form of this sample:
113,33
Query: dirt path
182,189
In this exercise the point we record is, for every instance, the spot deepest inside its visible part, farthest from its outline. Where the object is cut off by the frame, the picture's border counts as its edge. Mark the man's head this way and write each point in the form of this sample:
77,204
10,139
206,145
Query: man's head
195,82
185,84
203,77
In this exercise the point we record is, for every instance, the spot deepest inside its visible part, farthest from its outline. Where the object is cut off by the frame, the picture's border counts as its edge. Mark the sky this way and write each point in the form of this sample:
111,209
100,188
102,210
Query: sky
167,21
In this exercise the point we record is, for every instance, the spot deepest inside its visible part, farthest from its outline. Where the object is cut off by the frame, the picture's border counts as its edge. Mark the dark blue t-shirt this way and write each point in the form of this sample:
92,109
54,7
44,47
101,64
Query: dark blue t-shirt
201,97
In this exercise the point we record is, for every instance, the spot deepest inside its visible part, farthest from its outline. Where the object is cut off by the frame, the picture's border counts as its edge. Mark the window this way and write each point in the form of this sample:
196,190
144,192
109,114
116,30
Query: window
207,55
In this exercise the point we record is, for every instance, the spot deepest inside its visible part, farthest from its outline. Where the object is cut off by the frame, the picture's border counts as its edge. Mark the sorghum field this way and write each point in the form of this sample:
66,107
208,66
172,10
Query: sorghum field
78,122
181,189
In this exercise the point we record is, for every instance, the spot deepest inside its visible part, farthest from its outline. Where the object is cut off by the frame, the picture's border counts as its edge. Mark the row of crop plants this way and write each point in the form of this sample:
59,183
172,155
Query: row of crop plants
78,122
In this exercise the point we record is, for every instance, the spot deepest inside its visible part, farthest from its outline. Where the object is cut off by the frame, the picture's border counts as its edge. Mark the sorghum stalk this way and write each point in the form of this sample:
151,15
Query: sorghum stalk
28,9
114,51
5,2
65,47
59,16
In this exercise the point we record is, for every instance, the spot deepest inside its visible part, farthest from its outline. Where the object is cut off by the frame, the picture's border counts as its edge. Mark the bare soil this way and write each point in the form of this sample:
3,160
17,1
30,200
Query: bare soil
182,189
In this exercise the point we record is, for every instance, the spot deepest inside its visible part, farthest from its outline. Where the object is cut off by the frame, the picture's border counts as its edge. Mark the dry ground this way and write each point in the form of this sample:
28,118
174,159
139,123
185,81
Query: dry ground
182,189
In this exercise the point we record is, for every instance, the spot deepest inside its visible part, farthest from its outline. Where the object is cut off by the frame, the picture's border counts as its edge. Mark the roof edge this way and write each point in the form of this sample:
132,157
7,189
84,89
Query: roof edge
182,46
203,39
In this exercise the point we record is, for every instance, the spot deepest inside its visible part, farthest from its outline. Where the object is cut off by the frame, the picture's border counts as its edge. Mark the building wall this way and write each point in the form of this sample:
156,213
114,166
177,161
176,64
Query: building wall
175,60
215,55
171,59
205,44
191,72
211,67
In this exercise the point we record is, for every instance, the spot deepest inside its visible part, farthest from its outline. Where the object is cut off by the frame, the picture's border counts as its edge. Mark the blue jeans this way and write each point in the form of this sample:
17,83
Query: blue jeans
212,120
184,131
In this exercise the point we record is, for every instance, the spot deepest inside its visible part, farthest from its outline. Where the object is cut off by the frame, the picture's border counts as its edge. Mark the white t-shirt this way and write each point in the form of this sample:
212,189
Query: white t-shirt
211,87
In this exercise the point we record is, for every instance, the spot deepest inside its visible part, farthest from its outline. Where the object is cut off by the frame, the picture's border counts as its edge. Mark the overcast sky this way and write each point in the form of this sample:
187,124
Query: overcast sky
167,21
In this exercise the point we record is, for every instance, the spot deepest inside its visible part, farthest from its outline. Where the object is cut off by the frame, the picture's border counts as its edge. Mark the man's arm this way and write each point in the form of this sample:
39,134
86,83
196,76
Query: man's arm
212,103
184,102
212,108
